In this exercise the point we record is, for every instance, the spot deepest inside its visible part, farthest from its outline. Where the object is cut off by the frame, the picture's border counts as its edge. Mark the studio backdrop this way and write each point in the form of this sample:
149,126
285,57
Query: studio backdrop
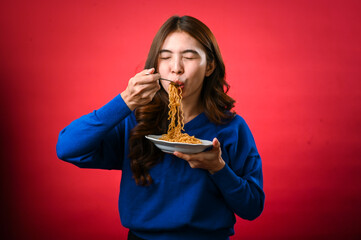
294,71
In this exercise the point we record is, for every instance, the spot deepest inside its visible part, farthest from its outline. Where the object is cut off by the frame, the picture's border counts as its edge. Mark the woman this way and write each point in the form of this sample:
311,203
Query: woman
174,196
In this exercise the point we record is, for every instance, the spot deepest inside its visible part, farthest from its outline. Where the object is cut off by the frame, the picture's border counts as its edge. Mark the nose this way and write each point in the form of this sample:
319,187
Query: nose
177,66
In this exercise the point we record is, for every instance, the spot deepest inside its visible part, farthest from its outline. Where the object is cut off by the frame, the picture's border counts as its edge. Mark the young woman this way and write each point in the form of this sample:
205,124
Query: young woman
174,196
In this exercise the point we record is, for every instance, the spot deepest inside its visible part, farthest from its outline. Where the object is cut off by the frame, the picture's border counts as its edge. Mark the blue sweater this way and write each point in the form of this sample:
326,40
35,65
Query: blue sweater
182,203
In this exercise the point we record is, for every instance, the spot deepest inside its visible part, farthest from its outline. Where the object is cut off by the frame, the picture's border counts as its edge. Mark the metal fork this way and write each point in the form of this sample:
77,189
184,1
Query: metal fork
171,81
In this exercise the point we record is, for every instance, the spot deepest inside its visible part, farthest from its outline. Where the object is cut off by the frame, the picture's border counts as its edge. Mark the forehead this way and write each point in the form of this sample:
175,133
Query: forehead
179,41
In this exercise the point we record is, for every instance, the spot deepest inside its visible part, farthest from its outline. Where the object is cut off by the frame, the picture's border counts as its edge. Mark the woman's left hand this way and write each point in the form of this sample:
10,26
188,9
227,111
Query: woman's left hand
210,160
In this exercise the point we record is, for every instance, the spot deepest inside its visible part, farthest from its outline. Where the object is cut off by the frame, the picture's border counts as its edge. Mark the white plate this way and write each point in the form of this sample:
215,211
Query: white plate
170,147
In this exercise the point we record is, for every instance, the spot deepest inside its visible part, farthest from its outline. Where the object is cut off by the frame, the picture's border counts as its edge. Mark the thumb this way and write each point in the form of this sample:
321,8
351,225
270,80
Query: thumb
216,143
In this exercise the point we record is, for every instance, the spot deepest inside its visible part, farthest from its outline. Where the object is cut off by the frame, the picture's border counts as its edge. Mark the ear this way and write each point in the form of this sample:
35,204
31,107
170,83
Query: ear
210,68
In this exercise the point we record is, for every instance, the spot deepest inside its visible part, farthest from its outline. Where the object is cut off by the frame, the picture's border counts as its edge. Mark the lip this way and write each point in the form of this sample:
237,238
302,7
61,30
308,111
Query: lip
180,83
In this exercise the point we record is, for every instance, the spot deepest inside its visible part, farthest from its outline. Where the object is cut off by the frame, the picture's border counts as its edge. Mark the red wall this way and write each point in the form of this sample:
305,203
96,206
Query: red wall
293,67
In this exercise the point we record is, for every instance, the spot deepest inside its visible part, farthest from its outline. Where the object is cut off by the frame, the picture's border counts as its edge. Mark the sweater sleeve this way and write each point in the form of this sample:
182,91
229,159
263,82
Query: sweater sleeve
241,180
94,140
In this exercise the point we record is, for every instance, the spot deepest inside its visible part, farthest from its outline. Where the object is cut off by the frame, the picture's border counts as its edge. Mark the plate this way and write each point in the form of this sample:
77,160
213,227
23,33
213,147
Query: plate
170,147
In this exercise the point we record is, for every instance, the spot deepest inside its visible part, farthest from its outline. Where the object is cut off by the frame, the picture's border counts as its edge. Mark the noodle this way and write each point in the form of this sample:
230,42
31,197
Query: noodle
175,115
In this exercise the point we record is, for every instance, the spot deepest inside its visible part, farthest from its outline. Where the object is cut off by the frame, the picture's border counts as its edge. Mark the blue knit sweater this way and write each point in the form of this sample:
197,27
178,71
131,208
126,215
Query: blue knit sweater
182,203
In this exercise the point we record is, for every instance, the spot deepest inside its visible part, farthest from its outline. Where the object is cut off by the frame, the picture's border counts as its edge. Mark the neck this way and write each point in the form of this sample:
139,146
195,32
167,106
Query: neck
191,110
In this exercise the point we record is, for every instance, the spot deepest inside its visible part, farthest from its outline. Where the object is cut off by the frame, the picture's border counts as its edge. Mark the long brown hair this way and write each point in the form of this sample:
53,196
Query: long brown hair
152,118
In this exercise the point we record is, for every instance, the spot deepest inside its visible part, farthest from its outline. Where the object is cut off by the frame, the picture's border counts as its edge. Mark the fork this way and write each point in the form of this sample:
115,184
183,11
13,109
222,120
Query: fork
171,81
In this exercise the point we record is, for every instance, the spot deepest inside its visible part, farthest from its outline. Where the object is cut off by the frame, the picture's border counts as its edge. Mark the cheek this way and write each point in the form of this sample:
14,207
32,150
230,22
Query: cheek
162,68
197,71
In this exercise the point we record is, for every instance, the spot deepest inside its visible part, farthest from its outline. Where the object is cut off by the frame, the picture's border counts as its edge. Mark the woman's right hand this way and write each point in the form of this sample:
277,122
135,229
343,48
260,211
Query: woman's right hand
141,88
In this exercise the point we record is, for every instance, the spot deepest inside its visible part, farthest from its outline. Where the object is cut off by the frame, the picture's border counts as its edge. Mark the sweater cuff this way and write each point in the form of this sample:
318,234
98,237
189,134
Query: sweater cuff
226,179
114,111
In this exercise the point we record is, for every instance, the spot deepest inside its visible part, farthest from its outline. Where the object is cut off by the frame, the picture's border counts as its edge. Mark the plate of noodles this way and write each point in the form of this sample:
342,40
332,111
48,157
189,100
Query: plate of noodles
175,139
187,148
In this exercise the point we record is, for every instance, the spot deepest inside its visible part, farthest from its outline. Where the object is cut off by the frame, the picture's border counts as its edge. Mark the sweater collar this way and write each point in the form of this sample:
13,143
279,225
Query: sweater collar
196,122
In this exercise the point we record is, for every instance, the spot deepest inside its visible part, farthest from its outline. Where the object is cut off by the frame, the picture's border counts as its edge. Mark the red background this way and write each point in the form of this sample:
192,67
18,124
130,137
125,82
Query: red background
293,67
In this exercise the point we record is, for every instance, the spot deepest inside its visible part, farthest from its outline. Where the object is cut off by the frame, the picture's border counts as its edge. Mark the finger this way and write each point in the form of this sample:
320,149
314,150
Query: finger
145,72
188,158
216,147
148,79
149,92
195,156
216,143
193,164
150,87
183,156
150,71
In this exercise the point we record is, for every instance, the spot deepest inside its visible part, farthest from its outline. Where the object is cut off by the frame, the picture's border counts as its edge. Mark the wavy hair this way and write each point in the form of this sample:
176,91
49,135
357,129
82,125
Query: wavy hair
152,117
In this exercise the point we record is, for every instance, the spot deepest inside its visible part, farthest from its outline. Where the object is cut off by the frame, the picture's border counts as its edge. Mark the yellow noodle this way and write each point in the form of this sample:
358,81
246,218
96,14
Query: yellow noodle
175,115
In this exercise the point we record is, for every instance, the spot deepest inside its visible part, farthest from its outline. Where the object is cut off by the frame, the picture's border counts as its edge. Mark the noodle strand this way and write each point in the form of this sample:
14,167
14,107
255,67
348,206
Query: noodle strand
175,115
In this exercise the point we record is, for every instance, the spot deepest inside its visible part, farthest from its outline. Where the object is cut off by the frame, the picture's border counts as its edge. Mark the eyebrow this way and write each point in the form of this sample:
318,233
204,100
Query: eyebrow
183,52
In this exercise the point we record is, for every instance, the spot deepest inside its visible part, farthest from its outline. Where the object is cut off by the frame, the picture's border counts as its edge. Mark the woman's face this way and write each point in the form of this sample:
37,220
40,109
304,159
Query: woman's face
183,59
